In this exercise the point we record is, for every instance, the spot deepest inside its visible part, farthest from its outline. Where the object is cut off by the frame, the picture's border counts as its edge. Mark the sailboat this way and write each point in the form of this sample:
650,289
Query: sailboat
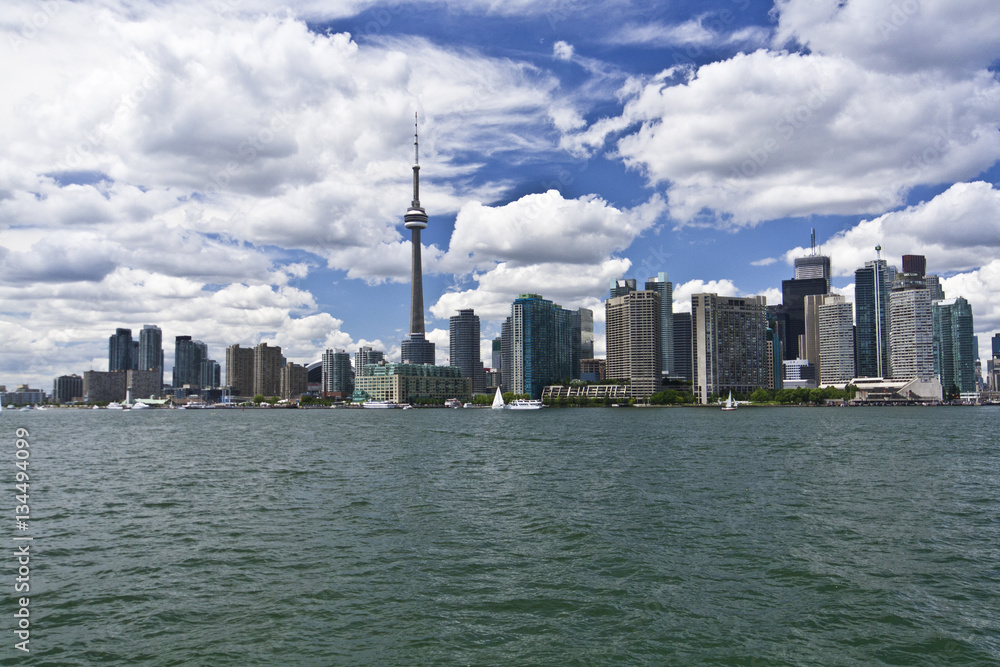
730,403
498,401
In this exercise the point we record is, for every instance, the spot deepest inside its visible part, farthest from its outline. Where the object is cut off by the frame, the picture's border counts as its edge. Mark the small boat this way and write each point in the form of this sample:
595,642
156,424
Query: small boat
113,405
525,404
140,406
498,403
378,405
407,407
730,403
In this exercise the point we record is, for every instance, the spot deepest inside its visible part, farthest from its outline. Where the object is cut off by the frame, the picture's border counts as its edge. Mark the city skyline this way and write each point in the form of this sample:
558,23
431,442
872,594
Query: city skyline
243,182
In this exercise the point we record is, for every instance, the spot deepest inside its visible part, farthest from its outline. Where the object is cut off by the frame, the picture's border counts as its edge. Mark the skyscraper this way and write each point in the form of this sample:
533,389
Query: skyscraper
151,350
665,288
338,378
267,370
793,294
813,265
872,284
682,346
415,348
464,348
188,355
239,370
366,355
634,338
586,333
911,330
120,351
621,286
836,340
955,351
730,344
536,357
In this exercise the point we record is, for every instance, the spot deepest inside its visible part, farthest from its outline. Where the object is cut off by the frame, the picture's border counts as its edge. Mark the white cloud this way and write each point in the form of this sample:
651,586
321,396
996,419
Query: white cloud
693,36
769,135
545,227
562,50
958,230
684,291
905,35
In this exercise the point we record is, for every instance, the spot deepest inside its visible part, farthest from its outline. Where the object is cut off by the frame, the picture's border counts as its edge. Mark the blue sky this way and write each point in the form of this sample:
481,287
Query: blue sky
237,171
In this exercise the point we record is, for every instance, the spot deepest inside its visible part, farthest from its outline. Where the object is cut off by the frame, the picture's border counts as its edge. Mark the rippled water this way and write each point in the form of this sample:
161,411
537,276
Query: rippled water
452,537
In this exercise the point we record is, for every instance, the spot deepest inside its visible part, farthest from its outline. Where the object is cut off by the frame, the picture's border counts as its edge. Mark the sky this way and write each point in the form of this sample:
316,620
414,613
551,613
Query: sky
238,170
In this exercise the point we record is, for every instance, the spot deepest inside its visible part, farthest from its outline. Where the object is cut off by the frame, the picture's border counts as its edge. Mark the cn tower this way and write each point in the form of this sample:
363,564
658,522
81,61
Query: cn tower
416,349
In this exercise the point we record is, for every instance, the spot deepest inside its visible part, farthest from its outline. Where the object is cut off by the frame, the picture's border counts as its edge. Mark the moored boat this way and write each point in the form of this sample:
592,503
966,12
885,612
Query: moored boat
525,404
378,405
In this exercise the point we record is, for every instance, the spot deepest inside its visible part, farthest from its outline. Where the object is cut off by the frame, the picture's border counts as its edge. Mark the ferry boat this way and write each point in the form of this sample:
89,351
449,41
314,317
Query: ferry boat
378,405
453,403
525,404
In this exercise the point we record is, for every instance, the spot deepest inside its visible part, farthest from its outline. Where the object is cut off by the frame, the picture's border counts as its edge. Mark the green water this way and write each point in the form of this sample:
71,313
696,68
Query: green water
826,536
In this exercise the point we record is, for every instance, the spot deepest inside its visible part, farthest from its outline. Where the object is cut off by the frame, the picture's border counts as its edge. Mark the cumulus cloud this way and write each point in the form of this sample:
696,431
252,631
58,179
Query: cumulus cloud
811,134
907,35
684,291
958,231
564,249
562,50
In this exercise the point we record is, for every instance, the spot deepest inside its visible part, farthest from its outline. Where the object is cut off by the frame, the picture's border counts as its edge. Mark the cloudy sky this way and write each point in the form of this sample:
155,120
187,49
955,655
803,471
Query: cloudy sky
238,173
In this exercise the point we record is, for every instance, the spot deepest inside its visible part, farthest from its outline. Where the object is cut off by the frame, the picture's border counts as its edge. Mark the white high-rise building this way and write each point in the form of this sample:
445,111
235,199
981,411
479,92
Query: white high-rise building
911,335
836,340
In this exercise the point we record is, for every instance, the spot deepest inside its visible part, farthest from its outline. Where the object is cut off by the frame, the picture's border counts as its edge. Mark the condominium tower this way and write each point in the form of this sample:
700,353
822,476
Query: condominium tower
634,339
730,346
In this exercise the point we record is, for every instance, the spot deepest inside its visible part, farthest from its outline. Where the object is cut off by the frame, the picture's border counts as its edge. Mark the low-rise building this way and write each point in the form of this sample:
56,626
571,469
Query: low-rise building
407,383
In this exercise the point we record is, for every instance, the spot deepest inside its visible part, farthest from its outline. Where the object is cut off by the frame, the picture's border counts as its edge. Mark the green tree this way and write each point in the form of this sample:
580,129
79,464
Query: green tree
258,399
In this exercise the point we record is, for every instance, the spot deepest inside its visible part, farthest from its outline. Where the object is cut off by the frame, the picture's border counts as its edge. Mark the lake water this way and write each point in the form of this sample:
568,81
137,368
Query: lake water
765,536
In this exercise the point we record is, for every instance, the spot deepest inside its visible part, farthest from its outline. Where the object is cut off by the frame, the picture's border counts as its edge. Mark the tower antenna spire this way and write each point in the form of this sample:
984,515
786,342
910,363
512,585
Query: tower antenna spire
416,164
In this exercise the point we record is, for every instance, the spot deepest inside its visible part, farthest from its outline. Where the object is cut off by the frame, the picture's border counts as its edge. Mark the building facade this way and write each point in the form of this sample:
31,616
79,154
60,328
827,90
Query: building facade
267,370
239,370
730,346
872,285
682,347
120,349
67,388
954,346
634,337
911,334
836,341
410,383
151,351
338,376
464,348
188,355
295,380
540,348
665,289
99,386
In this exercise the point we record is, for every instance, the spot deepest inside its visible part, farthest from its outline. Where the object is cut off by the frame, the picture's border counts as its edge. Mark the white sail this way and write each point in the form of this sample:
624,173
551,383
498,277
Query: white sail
498,401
